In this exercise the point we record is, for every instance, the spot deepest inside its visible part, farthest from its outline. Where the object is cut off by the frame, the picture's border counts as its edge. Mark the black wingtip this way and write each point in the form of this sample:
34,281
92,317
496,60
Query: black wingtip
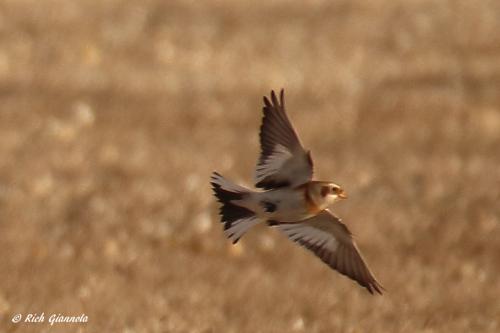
380,289
375,286
267,103
274,99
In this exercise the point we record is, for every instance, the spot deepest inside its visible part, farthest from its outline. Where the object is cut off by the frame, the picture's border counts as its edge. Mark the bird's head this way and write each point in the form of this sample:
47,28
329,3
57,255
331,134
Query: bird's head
333,192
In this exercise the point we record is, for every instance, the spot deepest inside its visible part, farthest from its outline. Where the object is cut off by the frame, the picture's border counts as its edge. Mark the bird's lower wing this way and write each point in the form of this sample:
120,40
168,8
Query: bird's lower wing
330,240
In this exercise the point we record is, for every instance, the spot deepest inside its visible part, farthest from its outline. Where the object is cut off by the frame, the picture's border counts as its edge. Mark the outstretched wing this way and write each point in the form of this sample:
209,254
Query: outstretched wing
283,161
329,239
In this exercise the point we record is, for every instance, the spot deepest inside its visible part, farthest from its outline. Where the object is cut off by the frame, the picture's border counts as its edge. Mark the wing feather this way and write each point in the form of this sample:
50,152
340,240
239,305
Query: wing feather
283,161
329,239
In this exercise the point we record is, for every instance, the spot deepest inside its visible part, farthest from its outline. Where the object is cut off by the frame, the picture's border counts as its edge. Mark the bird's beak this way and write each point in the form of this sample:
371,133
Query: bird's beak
342,194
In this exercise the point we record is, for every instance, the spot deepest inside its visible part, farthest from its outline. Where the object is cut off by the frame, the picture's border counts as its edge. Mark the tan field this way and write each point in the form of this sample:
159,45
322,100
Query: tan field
113,114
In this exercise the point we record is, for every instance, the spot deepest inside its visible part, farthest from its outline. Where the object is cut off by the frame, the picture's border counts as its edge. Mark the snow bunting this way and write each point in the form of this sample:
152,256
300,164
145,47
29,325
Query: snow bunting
290,200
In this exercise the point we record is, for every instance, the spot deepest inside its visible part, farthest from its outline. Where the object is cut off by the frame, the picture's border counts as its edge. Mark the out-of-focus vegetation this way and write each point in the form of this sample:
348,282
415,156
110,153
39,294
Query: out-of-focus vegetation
114,113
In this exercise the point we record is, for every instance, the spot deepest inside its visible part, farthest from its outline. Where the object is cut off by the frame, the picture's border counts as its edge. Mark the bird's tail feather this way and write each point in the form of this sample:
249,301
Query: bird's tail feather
237,219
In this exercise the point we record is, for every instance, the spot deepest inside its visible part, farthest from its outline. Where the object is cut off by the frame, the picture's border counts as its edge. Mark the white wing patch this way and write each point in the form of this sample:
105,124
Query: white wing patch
239,227
226,184
273,163
314,236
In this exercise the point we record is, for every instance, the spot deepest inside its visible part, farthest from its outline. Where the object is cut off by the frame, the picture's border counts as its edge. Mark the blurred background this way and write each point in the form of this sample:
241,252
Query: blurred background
114,113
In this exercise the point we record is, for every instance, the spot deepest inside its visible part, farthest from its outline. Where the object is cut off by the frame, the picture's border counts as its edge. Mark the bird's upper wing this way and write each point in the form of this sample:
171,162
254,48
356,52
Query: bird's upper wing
283,161
330,240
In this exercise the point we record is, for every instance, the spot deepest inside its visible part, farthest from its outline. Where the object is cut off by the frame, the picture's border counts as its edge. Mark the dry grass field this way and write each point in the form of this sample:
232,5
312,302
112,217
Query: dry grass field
114,113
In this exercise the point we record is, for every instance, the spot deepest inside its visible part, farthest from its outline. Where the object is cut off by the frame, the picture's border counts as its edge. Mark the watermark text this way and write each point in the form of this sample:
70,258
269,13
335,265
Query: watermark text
53,318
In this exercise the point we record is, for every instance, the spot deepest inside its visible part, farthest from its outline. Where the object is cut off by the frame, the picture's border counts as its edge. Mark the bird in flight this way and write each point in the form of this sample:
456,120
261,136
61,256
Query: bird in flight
290,200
